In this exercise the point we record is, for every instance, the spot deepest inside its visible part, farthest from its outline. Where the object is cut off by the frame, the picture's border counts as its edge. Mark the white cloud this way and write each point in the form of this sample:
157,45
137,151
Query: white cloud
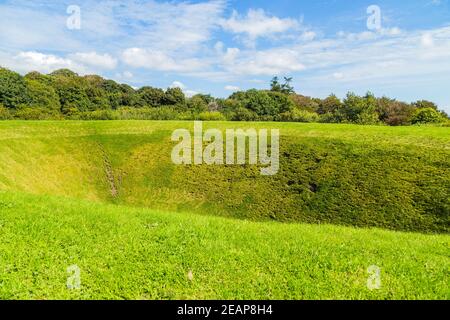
178,84
268,62
26,61
308,36
258,24
158,60
127,74
170,25
190,93
232,88
427,40
102,61
401,60
187,92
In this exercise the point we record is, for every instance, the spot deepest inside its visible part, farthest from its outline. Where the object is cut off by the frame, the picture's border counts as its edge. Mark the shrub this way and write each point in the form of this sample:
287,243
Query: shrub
98,115
162,113
426,116
243,114
4,113
211,116
298,115
25,112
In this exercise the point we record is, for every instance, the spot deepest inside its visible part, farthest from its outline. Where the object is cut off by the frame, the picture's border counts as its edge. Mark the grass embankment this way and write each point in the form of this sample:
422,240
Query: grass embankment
137,253
393,178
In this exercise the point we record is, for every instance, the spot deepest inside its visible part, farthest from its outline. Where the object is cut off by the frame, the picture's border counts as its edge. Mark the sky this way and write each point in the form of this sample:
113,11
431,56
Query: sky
399,49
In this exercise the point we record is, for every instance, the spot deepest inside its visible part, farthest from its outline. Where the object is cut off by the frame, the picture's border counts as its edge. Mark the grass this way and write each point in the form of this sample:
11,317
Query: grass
105,196
393,178
136,253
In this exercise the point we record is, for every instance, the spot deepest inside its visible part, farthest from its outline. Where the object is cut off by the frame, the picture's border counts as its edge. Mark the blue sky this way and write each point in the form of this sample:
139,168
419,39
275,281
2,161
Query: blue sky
219,46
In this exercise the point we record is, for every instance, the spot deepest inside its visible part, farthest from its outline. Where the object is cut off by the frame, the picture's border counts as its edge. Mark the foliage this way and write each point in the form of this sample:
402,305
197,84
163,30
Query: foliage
359,110
285,88
25,112
198,103
211,116
63,94
427,116
42,95
4,113
263,103
331,104
174,96
13,89
393,112
299,115
151,97
425,104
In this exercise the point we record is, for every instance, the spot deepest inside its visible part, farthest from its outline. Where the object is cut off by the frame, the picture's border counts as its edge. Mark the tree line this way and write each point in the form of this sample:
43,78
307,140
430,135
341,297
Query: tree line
63,94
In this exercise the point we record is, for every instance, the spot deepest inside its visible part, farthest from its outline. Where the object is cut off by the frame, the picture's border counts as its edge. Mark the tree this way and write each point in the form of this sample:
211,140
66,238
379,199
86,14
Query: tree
66,73
268,105
174,96
423,104
13,89
331,105
360,110
95,91
72,94
275,85
426,116
152,97
305,103
286,87
393,112
42,95
198,103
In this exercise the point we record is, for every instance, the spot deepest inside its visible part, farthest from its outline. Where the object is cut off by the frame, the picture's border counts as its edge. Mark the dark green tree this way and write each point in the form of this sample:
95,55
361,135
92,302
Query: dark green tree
151,97
13,89
174,96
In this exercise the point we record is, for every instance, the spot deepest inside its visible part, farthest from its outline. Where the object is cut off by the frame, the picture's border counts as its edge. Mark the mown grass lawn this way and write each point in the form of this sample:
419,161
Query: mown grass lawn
126,253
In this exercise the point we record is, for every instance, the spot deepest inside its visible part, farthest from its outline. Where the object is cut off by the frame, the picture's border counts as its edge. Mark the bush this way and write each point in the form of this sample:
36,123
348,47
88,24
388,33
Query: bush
426,116
4,113
211,116
97,115
243,114
25,112
162,113
298,115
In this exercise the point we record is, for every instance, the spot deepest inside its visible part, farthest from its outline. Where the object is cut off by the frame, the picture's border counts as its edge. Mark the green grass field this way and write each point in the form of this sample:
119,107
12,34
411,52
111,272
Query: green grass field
105,196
